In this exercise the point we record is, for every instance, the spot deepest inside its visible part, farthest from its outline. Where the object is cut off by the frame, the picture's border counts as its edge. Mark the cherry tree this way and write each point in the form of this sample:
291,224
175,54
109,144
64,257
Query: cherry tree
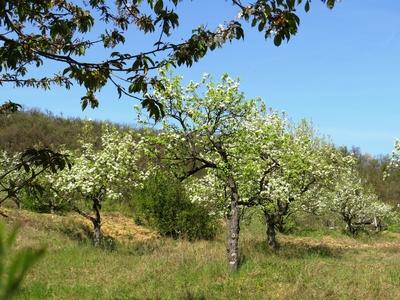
357,205
203,129
57,36
394,164
226,144
21,171
100,174
300,167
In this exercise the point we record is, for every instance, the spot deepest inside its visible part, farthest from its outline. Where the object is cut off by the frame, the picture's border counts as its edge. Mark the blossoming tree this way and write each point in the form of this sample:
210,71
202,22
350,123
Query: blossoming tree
100,174
302,167
356,205
228,142
205,133
395,159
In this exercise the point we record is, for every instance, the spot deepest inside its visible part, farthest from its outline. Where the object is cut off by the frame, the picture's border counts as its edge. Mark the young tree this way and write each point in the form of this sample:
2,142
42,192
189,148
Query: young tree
394,164
355,204
36,34
111,172
303,165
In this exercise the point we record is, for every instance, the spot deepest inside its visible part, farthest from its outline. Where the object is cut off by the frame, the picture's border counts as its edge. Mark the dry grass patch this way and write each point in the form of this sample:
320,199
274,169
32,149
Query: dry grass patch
114,225
318,267
344,242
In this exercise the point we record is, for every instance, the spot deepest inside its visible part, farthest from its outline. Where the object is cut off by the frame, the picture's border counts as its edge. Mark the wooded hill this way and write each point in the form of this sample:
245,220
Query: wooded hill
35,128
30,128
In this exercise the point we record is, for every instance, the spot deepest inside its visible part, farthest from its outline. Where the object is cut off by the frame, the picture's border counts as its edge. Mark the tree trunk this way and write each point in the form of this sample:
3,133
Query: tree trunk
17,203
97,219
233,230
280,225
96,233
377,224
350,228
271,234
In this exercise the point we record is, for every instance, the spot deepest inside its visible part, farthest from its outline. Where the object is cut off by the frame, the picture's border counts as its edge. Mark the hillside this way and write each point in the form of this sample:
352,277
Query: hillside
32,128
316,265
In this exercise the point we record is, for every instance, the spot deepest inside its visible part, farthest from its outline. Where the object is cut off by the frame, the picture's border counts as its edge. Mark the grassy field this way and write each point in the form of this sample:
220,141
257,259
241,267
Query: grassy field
142,265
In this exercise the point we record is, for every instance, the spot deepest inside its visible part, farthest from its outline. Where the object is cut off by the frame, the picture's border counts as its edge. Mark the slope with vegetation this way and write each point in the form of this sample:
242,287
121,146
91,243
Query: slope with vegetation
229,165
27,128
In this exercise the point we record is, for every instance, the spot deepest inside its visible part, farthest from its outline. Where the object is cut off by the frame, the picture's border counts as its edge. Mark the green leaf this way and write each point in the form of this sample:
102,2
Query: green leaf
278,40
155,108
158,7
14,265
261,26
307,6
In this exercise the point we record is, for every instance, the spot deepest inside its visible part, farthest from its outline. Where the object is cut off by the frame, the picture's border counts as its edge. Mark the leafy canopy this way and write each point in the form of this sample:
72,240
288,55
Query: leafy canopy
37,33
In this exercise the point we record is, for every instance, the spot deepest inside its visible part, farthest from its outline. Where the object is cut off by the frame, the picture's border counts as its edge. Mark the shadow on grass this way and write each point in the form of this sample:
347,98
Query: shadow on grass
83,234
141,248
189,295
292,250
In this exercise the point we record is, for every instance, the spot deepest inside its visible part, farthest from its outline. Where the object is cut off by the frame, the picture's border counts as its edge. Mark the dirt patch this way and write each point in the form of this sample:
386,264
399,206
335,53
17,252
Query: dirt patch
114,225
124,229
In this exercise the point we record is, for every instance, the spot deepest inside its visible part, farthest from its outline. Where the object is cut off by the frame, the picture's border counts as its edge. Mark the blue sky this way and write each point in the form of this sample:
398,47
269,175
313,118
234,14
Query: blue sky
342,71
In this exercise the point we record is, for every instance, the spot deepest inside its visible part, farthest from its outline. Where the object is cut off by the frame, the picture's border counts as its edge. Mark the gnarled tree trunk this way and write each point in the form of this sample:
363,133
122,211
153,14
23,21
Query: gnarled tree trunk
351,229
96,232
270,230
96,199
96,220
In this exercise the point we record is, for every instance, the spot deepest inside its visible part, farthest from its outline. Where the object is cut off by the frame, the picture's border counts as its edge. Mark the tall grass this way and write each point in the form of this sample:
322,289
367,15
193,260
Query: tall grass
306,267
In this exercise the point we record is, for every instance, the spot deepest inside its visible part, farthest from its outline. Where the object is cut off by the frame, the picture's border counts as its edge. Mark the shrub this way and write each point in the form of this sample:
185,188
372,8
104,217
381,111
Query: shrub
163,203
43,202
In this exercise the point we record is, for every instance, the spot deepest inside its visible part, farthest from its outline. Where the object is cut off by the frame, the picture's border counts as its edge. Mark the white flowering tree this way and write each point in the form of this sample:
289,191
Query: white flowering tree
381,214
281,170
299,167
225,143
203,130
100,174
395,161
394,164
355,204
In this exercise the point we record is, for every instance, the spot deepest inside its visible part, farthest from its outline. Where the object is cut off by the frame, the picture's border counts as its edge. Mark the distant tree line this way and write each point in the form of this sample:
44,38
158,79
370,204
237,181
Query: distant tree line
33,127
372,169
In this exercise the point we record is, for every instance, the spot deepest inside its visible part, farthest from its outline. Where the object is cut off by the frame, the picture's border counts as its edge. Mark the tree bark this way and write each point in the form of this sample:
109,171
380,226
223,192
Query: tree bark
377,224
271,233
97,219
17,203
233,230
96,233
350,228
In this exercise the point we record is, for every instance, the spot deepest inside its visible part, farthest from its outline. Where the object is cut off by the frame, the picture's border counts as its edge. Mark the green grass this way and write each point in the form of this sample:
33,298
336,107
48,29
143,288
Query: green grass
310,266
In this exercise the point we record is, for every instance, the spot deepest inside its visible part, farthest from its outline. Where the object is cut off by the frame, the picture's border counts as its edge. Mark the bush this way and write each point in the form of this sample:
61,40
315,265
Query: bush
42,202
163,204
393,227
